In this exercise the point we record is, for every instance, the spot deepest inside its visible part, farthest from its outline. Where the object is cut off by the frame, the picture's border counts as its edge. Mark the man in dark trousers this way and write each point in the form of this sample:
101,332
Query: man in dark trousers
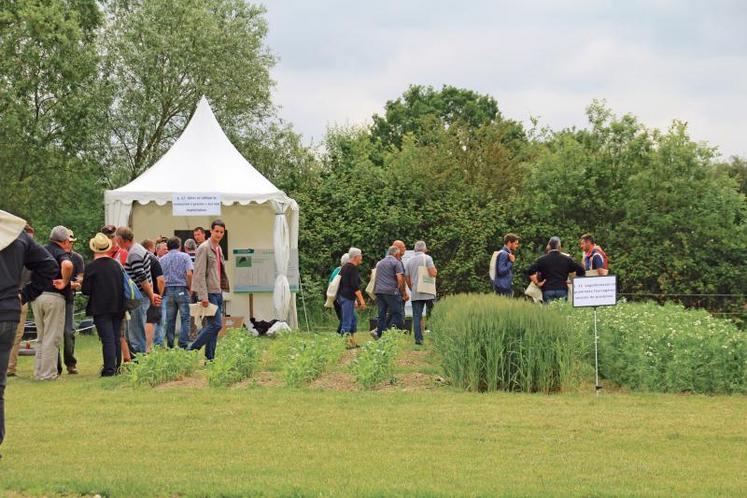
550,272
68,339
18,249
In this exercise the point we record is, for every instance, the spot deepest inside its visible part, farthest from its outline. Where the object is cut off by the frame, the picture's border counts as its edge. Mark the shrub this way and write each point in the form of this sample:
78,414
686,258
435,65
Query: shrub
375,361
492,343
236,359
162,365
667,348
309,356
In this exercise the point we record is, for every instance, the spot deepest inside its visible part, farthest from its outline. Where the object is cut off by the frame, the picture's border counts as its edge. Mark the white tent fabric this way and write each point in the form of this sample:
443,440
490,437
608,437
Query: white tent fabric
203,160
281,294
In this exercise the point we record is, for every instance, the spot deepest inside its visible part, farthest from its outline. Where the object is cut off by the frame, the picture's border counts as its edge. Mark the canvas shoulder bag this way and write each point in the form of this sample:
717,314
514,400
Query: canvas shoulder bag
425,284
332,289
372,285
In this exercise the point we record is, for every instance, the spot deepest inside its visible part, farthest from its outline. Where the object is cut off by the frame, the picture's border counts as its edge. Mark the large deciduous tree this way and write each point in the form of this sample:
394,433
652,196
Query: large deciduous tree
50,104
160,56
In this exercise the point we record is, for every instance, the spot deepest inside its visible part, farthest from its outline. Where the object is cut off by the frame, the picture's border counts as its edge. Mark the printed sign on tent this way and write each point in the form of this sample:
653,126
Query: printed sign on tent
195,205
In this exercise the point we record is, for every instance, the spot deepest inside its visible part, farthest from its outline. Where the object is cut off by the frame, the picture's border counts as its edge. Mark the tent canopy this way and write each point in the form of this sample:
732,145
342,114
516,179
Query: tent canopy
203,159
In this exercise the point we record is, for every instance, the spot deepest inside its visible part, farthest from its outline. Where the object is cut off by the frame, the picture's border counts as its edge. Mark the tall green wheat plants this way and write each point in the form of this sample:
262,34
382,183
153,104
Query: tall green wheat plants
490,343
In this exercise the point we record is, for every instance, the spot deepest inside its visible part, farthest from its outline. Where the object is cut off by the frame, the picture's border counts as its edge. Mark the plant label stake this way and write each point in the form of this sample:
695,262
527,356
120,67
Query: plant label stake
597,386
592,292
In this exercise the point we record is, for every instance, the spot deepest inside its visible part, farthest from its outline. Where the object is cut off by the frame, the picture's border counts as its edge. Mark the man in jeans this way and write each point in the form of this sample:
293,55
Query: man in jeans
18,249
389,289
138,268
177,270
210,280
420,300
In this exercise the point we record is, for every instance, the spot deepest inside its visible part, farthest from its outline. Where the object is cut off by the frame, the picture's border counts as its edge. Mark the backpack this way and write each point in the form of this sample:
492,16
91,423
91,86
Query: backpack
493,263
132,296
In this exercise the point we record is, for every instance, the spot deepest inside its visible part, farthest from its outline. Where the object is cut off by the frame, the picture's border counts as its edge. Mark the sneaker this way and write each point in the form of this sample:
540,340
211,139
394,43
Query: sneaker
374,334
72,370
418,343
11,374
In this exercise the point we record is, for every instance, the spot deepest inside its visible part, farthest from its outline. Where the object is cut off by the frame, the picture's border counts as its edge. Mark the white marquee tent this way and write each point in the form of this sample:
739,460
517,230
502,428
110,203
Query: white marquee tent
256,213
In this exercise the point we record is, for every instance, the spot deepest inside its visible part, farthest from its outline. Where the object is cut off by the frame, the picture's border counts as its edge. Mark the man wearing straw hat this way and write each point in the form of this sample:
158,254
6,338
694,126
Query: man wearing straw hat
18,249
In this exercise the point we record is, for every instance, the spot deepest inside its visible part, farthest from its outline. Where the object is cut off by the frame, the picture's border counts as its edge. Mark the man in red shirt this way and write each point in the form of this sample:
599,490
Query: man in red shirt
595,259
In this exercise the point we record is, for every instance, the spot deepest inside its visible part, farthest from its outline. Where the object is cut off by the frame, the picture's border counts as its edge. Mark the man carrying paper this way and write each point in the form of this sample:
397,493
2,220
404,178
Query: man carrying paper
209,282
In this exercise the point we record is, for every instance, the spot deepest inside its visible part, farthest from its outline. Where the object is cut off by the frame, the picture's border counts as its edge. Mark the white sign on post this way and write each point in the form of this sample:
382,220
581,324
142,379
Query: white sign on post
195,205
590,292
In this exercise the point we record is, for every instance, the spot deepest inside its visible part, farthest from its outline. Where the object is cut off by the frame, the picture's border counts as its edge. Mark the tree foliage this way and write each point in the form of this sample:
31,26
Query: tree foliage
161,56
51,101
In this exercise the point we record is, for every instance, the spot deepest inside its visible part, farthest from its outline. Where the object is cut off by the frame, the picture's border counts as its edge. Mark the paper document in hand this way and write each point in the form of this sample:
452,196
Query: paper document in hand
198,309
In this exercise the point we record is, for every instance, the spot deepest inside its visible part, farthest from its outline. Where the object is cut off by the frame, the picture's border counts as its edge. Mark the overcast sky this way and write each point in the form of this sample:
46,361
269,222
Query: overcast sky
340,61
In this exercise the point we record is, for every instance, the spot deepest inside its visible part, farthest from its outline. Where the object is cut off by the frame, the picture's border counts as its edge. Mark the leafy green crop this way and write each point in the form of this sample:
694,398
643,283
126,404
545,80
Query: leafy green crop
236,359
309,356
667,348
375,361
162,365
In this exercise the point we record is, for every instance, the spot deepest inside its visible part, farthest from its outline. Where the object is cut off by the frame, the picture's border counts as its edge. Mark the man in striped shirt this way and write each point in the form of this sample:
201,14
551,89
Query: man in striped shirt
138,268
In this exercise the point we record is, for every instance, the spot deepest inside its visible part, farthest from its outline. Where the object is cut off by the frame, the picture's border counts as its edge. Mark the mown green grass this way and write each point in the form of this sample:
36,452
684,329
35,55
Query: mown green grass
84,435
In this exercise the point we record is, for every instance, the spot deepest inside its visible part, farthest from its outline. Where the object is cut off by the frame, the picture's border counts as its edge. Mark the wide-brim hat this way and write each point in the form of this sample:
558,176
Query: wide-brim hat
100,243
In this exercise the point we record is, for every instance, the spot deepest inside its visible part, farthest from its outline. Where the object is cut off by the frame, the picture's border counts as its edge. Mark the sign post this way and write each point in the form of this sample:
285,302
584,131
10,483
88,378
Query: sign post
592,292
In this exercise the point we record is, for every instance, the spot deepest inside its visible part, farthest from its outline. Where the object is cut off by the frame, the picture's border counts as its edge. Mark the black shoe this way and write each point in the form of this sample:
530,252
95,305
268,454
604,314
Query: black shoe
11,374
418,343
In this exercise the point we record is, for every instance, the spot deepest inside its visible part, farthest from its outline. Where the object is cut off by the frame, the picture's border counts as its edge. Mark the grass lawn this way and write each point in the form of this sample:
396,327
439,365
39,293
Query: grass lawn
83,435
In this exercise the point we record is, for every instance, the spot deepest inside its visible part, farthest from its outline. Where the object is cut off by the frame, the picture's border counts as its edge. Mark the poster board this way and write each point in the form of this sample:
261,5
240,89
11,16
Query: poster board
254,270
591,292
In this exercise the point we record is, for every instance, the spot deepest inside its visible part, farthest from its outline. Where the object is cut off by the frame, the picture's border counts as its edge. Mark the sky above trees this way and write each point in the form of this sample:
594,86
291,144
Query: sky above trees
340,61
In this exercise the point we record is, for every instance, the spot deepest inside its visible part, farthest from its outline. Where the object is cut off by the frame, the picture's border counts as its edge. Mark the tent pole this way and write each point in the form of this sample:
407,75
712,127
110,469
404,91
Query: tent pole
303,301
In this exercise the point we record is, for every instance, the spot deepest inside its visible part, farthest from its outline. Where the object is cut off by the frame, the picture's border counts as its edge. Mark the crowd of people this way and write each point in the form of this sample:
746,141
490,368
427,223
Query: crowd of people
168,277
548,275
394,282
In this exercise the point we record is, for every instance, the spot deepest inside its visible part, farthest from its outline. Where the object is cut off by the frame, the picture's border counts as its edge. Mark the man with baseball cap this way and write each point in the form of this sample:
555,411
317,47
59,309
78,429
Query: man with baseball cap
69,336
49,307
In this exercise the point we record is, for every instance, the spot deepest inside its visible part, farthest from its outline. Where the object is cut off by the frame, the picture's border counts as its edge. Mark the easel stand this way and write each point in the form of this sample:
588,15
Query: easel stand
597,385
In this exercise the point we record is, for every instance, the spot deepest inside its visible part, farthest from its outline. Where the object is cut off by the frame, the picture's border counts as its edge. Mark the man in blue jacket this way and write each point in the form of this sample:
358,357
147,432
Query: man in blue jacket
504,266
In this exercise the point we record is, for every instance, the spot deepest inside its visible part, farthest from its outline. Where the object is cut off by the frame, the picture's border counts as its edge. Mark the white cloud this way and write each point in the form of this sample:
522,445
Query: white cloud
344,73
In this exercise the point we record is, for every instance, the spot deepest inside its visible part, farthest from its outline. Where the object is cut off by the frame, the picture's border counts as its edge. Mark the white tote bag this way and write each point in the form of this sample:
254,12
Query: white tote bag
425,284
332,289
372,285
